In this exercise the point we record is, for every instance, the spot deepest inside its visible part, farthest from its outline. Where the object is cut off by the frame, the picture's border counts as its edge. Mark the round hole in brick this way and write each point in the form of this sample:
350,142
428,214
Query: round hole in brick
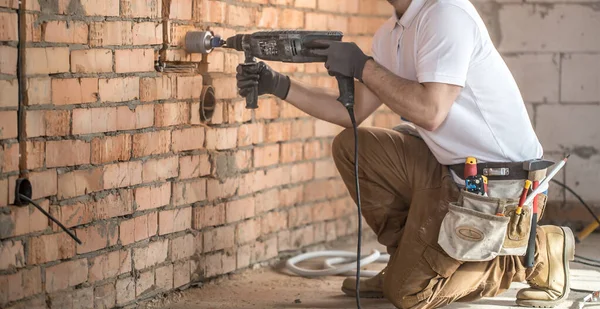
207,103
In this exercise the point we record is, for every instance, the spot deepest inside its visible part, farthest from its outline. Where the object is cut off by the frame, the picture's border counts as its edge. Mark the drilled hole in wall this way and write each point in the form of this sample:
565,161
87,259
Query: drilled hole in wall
207,103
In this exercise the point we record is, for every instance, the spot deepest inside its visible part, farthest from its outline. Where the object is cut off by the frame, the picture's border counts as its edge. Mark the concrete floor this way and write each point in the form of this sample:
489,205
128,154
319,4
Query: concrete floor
275,288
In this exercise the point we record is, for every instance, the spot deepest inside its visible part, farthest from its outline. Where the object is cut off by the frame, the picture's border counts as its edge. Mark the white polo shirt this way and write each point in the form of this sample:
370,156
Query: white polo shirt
446,41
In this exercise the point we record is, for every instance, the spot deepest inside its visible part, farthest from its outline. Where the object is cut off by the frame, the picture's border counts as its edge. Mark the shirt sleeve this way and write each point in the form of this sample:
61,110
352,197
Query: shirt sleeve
445,44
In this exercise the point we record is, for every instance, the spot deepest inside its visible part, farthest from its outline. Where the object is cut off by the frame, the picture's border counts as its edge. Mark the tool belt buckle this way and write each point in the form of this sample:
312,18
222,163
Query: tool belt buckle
498,171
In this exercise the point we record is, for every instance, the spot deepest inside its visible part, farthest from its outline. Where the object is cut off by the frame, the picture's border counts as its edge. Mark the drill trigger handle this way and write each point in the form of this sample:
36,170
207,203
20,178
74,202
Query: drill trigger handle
346,87
252,98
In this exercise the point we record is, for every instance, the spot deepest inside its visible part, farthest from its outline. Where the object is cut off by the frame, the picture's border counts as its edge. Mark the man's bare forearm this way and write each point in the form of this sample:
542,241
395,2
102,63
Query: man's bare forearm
322,103
407,98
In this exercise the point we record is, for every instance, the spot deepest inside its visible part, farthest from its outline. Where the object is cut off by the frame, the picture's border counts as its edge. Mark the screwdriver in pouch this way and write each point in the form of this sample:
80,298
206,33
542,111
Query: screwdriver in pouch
523,196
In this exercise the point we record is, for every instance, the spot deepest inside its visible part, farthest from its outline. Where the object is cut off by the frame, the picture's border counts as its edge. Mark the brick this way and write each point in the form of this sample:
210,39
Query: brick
49,60
164,277
79,182
267,109
221,138
111,148
325,169
302,237
171,114
3,202
8,124
176,37
11,254
247,231
175,220
241,16
92,61
292,19
225,87
101,7
9,93
138,228
316,21
265,250
38,91
239,210
268,18
58,31
194,166
300,216
109,265
11,158
94,237
160,169
303,129
45,183
107,33
266,156
239,113
216,62
187,139
210,11
8,60
579,80
189,192
291,152
209,216
112,205
219,238
141,8
74,90
266,201
153,196
181,9
309,4
556,134
182,247
243,159
217,189
273,222
94,120
519,26
119,89
302,172
22,284
123,174
244,254
142,116
341,6
147,33
23,220
231,62
8,26
66,274
278,131
125,290
157,88
189,87
181,274
377,7
67,153
151,143
134,60
105,296
537,76
150,255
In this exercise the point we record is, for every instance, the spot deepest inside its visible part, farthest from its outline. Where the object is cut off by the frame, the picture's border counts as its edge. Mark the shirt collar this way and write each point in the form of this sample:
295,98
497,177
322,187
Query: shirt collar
407,18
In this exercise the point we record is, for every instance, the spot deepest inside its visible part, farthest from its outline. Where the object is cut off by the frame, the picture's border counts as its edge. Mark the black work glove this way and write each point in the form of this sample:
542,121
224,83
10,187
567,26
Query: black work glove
268,80
343,58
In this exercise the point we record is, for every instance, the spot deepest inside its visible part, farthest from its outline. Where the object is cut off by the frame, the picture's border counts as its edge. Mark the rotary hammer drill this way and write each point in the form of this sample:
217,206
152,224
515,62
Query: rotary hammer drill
283,46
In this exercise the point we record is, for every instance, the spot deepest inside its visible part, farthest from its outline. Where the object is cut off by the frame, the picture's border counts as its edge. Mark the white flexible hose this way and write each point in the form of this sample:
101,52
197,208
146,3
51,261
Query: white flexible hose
348,269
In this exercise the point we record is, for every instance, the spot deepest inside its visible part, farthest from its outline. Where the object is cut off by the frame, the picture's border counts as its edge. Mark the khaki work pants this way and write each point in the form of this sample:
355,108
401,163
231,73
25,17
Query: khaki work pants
404,195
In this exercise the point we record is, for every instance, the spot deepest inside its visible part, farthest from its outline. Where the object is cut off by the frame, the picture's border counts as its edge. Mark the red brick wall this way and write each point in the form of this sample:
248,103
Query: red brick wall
117,152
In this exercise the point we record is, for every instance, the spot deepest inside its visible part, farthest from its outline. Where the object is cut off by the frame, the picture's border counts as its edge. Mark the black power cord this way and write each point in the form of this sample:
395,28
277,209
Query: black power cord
25,198
357,184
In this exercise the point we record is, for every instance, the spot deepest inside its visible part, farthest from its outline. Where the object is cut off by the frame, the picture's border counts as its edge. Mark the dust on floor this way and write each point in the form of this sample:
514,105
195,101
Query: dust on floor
276,287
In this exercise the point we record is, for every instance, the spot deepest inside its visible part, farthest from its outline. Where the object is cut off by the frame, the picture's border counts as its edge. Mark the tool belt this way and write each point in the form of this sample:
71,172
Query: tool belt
479,227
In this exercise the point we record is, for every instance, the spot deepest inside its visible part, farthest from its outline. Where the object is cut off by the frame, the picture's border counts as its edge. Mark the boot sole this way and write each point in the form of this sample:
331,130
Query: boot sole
363,294
569,255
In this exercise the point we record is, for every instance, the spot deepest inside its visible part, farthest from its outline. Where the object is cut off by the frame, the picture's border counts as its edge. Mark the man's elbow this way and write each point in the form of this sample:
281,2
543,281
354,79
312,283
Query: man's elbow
435,120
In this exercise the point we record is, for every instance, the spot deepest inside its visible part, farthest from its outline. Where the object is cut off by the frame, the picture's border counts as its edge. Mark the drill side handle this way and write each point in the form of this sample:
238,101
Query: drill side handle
346,87
252,98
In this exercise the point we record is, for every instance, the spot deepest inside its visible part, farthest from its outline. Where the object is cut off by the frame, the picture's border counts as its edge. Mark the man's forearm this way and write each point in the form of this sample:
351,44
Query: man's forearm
407,98
322,103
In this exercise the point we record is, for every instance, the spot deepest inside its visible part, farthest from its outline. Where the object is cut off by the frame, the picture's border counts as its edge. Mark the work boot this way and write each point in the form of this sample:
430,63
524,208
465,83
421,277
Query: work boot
369,288
551,285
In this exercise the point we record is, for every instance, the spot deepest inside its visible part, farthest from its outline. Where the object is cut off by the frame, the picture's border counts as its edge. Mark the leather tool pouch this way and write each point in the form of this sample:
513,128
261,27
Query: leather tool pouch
472,230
